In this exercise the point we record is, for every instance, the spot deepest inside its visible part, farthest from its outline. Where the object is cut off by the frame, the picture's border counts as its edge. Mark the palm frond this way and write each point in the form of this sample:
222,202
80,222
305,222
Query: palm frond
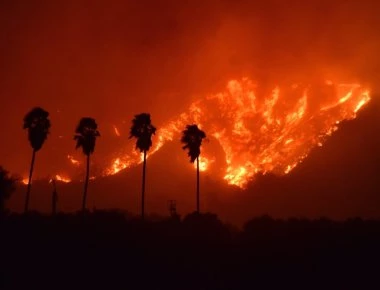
38,125
192,138
86,134
142,129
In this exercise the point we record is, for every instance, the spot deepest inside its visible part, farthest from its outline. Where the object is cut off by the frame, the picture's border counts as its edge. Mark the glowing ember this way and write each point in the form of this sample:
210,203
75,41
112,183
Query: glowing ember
261,133
25,181
62,178
116,130
73,160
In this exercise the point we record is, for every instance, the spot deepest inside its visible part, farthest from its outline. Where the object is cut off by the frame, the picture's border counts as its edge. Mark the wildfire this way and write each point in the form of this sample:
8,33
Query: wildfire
260,133
164,134
62,178
204,163
366,98
117,166
56,177
73,160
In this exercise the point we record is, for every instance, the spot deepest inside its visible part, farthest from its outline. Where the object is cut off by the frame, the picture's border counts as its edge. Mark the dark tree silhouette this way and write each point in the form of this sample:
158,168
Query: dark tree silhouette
192,137
142,129
38,124
7,187
85,135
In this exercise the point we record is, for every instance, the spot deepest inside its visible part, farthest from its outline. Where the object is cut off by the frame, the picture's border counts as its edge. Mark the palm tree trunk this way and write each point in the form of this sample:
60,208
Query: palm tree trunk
198,185
86,183
143,189
29,182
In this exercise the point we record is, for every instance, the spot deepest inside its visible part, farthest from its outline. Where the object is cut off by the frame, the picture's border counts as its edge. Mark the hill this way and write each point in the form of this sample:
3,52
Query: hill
337,180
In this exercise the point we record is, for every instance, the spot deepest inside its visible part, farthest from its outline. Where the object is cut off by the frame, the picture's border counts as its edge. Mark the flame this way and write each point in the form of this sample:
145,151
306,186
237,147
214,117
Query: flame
258,132
62,178
204,163
163,135
118,165
56,177
366,98
73,160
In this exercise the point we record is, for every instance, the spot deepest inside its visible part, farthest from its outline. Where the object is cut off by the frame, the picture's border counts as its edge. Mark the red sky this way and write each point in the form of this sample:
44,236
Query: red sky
112,59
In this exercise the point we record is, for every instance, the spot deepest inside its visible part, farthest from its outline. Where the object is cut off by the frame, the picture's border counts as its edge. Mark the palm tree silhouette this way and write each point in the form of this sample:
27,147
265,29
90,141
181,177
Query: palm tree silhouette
38,125
192,137
85,135
142,129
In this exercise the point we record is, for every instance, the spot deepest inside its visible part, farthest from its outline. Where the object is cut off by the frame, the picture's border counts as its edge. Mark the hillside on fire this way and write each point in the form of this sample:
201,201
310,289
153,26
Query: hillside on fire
332,181
203,144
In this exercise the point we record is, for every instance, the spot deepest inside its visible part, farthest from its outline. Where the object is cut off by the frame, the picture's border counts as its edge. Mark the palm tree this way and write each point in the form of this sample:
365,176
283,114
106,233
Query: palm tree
7,187
38,124
85,135
192,137
142,129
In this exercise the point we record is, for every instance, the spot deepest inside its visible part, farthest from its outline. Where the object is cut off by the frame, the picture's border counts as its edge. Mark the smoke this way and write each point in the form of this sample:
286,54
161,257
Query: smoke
112,60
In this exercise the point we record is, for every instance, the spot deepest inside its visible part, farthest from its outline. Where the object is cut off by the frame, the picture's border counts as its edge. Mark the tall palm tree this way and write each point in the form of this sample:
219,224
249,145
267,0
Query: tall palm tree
85,135
142,129
38,124
192,137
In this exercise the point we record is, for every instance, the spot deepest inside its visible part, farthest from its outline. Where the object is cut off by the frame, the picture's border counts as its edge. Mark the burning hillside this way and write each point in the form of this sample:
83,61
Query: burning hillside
259,130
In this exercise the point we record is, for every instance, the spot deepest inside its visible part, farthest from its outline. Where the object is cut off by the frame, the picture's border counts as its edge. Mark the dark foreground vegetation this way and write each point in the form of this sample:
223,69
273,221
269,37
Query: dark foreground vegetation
110,250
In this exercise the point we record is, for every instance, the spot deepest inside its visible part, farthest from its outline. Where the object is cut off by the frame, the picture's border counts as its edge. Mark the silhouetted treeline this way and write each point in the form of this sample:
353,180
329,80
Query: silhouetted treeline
7,187
111,249
38,125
